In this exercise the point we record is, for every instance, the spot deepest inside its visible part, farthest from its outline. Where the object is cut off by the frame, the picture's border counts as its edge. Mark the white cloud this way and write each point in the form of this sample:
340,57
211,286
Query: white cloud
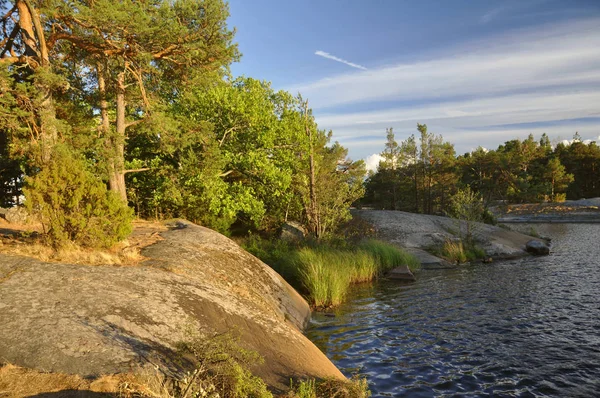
489,16
334,58
486,92
557,55
372,161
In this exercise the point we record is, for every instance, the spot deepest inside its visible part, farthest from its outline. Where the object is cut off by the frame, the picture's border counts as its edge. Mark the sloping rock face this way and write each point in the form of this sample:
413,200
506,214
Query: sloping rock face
93,320
419,231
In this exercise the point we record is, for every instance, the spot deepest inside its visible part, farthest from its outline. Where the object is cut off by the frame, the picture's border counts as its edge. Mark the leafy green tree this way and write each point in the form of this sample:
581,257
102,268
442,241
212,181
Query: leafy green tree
143,55
466,206
557,178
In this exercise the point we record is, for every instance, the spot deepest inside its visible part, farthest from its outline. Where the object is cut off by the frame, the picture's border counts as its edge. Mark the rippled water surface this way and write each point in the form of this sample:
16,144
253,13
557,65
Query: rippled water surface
527,327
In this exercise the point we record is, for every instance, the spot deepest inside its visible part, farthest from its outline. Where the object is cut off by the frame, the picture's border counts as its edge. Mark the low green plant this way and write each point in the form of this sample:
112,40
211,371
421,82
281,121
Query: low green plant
222,362
278,254
304,389
73,206
325,271
474,252
533,232
456,251
325,274
354,388
389,256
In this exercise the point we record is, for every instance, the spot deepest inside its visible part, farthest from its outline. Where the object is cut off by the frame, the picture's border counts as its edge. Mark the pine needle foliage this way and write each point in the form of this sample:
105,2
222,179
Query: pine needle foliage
74,206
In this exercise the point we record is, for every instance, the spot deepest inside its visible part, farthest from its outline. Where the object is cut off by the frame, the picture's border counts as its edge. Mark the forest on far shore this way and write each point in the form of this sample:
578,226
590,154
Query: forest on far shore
422,174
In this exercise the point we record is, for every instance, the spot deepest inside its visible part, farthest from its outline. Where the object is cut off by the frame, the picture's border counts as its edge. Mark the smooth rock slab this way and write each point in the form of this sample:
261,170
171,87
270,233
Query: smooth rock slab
93,320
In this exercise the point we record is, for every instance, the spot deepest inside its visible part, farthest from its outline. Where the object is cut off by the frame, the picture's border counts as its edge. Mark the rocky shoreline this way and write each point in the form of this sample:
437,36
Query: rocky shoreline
419,233
94,320
572,211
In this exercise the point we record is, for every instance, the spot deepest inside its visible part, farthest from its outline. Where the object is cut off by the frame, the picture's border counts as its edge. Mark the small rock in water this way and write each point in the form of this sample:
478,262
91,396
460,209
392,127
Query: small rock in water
401,273
537,247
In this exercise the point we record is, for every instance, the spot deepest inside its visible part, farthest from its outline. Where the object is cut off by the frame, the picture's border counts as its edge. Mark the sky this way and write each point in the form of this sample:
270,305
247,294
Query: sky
477,72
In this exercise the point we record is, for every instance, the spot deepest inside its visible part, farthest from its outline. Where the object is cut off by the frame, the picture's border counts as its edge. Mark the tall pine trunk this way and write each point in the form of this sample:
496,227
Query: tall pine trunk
116,160
35,47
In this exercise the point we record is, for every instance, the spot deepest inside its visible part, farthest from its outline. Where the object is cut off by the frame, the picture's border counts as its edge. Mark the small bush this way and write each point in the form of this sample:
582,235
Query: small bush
278,254
221,362
354,388
74,206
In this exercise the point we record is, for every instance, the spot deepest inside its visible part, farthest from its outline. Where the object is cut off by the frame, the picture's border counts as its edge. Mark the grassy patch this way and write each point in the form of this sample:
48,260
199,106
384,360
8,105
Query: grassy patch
458,252
325,272
354,388
32,244
389,256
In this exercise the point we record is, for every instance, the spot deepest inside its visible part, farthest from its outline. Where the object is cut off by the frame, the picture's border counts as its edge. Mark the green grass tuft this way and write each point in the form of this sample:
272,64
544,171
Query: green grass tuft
325,272
458,252
389,256
353,388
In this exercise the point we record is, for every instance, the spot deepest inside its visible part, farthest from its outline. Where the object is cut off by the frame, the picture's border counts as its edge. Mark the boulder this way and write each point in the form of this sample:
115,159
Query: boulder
94,320
17,215
537,247
401,273
292,231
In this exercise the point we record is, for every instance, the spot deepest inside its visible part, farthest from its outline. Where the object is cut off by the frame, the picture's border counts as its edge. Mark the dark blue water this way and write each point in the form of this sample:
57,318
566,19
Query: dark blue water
527,327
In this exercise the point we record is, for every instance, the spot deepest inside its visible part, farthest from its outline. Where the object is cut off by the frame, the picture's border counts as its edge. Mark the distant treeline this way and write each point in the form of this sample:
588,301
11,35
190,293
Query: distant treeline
422,174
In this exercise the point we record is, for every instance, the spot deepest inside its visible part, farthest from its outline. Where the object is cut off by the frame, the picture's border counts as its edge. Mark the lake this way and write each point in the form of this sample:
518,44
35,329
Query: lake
526,327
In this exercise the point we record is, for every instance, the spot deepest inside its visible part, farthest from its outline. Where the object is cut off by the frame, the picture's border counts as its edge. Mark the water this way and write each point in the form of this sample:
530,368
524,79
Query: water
527,327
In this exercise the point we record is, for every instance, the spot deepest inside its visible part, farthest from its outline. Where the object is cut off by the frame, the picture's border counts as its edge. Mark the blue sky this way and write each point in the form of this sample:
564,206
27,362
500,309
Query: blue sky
477,72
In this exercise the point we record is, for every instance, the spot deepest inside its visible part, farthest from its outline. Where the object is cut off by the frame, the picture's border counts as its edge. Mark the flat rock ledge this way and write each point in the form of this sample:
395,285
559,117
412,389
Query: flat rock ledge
93,320
417,233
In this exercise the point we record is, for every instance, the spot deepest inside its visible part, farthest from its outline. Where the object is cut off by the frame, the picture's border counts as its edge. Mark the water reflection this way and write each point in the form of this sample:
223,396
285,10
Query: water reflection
528,327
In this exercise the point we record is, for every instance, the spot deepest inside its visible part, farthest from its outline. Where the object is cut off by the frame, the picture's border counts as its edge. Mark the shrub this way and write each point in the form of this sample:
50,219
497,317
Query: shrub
74,206
354,388
221,362
466,206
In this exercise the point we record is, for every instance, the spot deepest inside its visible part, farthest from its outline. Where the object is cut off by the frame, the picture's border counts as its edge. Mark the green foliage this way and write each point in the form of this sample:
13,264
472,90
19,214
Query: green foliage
326,275
466,206
427,174
278,254
326,272
456,251
74,206
354,388
222,362
389,256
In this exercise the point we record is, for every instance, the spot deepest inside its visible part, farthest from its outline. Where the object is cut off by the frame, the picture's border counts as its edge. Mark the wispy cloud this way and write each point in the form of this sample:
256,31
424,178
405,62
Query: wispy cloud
490,15
474,94
334,58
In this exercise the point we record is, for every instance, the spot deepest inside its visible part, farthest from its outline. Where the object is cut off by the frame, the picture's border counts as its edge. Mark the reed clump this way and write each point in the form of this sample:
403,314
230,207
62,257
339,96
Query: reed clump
325,272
